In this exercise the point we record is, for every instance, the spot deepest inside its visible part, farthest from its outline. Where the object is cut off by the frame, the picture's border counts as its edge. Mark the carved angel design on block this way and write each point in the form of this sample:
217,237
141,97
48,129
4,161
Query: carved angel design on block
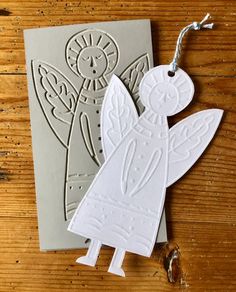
73,112
123,206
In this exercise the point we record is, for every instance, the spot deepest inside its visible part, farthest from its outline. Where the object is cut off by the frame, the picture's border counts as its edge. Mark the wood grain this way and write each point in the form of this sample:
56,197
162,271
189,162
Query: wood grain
201,208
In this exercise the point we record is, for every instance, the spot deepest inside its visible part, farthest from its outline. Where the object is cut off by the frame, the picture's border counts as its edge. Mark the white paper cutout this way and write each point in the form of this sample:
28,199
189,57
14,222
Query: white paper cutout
123,205
118,115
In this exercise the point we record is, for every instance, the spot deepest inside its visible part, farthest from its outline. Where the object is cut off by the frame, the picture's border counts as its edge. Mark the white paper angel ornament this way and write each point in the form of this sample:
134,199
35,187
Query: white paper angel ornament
123,205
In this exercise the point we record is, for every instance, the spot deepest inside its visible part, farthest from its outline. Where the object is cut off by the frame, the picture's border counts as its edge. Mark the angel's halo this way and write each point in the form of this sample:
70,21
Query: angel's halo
92,54
163,94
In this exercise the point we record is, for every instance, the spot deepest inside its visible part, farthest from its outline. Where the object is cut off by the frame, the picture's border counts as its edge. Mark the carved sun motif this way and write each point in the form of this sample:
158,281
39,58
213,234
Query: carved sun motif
92,54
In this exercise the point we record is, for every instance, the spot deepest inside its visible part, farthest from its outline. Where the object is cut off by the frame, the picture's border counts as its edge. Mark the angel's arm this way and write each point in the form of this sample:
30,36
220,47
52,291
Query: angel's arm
86,134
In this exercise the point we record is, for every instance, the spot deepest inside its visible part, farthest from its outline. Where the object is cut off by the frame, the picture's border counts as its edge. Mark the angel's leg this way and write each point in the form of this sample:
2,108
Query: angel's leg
116,262
92,254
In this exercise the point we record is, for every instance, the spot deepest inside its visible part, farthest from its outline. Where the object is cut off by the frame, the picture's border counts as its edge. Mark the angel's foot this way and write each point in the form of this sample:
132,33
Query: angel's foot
116,263
117,271
92,255
85,260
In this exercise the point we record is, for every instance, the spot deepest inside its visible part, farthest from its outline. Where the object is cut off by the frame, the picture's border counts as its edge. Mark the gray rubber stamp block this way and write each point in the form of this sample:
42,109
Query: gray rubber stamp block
68,71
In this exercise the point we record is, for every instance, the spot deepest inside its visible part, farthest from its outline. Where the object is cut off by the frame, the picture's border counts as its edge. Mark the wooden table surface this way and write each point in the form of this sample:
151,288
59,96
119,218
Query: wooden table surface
201,208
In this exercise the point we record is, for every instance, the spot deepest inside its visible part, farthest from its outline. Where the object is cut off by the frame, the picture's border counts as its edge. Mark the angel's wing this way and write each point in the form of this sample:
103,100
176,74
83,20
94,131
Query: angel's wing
57,98
118,115
188,139
132,76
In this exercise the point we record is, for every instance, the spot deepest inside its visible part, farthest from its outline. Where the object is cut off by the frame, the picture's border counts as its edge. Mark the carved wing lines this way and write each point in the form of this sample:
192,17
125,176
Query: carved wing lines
194,133
118,115
132,76
54,95
57,98
187,138
135,72
63,90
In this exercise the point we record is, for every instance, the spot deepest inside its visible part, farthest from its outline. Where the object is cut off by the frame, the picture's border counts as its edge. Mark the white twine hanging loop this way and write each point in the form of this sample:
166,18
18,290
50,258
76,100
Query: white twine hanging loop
193,26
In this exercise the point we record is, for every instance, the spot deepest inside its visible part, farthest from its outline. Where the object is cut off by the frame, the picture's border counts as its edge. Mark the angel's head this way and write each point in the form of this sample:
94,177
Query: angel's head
92,54
164,94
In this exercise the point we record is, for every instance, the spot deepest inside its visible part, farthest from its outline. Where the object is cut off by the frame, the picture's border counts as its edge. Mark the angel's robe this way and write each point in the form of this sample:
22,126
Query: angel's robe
85,152
124,204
